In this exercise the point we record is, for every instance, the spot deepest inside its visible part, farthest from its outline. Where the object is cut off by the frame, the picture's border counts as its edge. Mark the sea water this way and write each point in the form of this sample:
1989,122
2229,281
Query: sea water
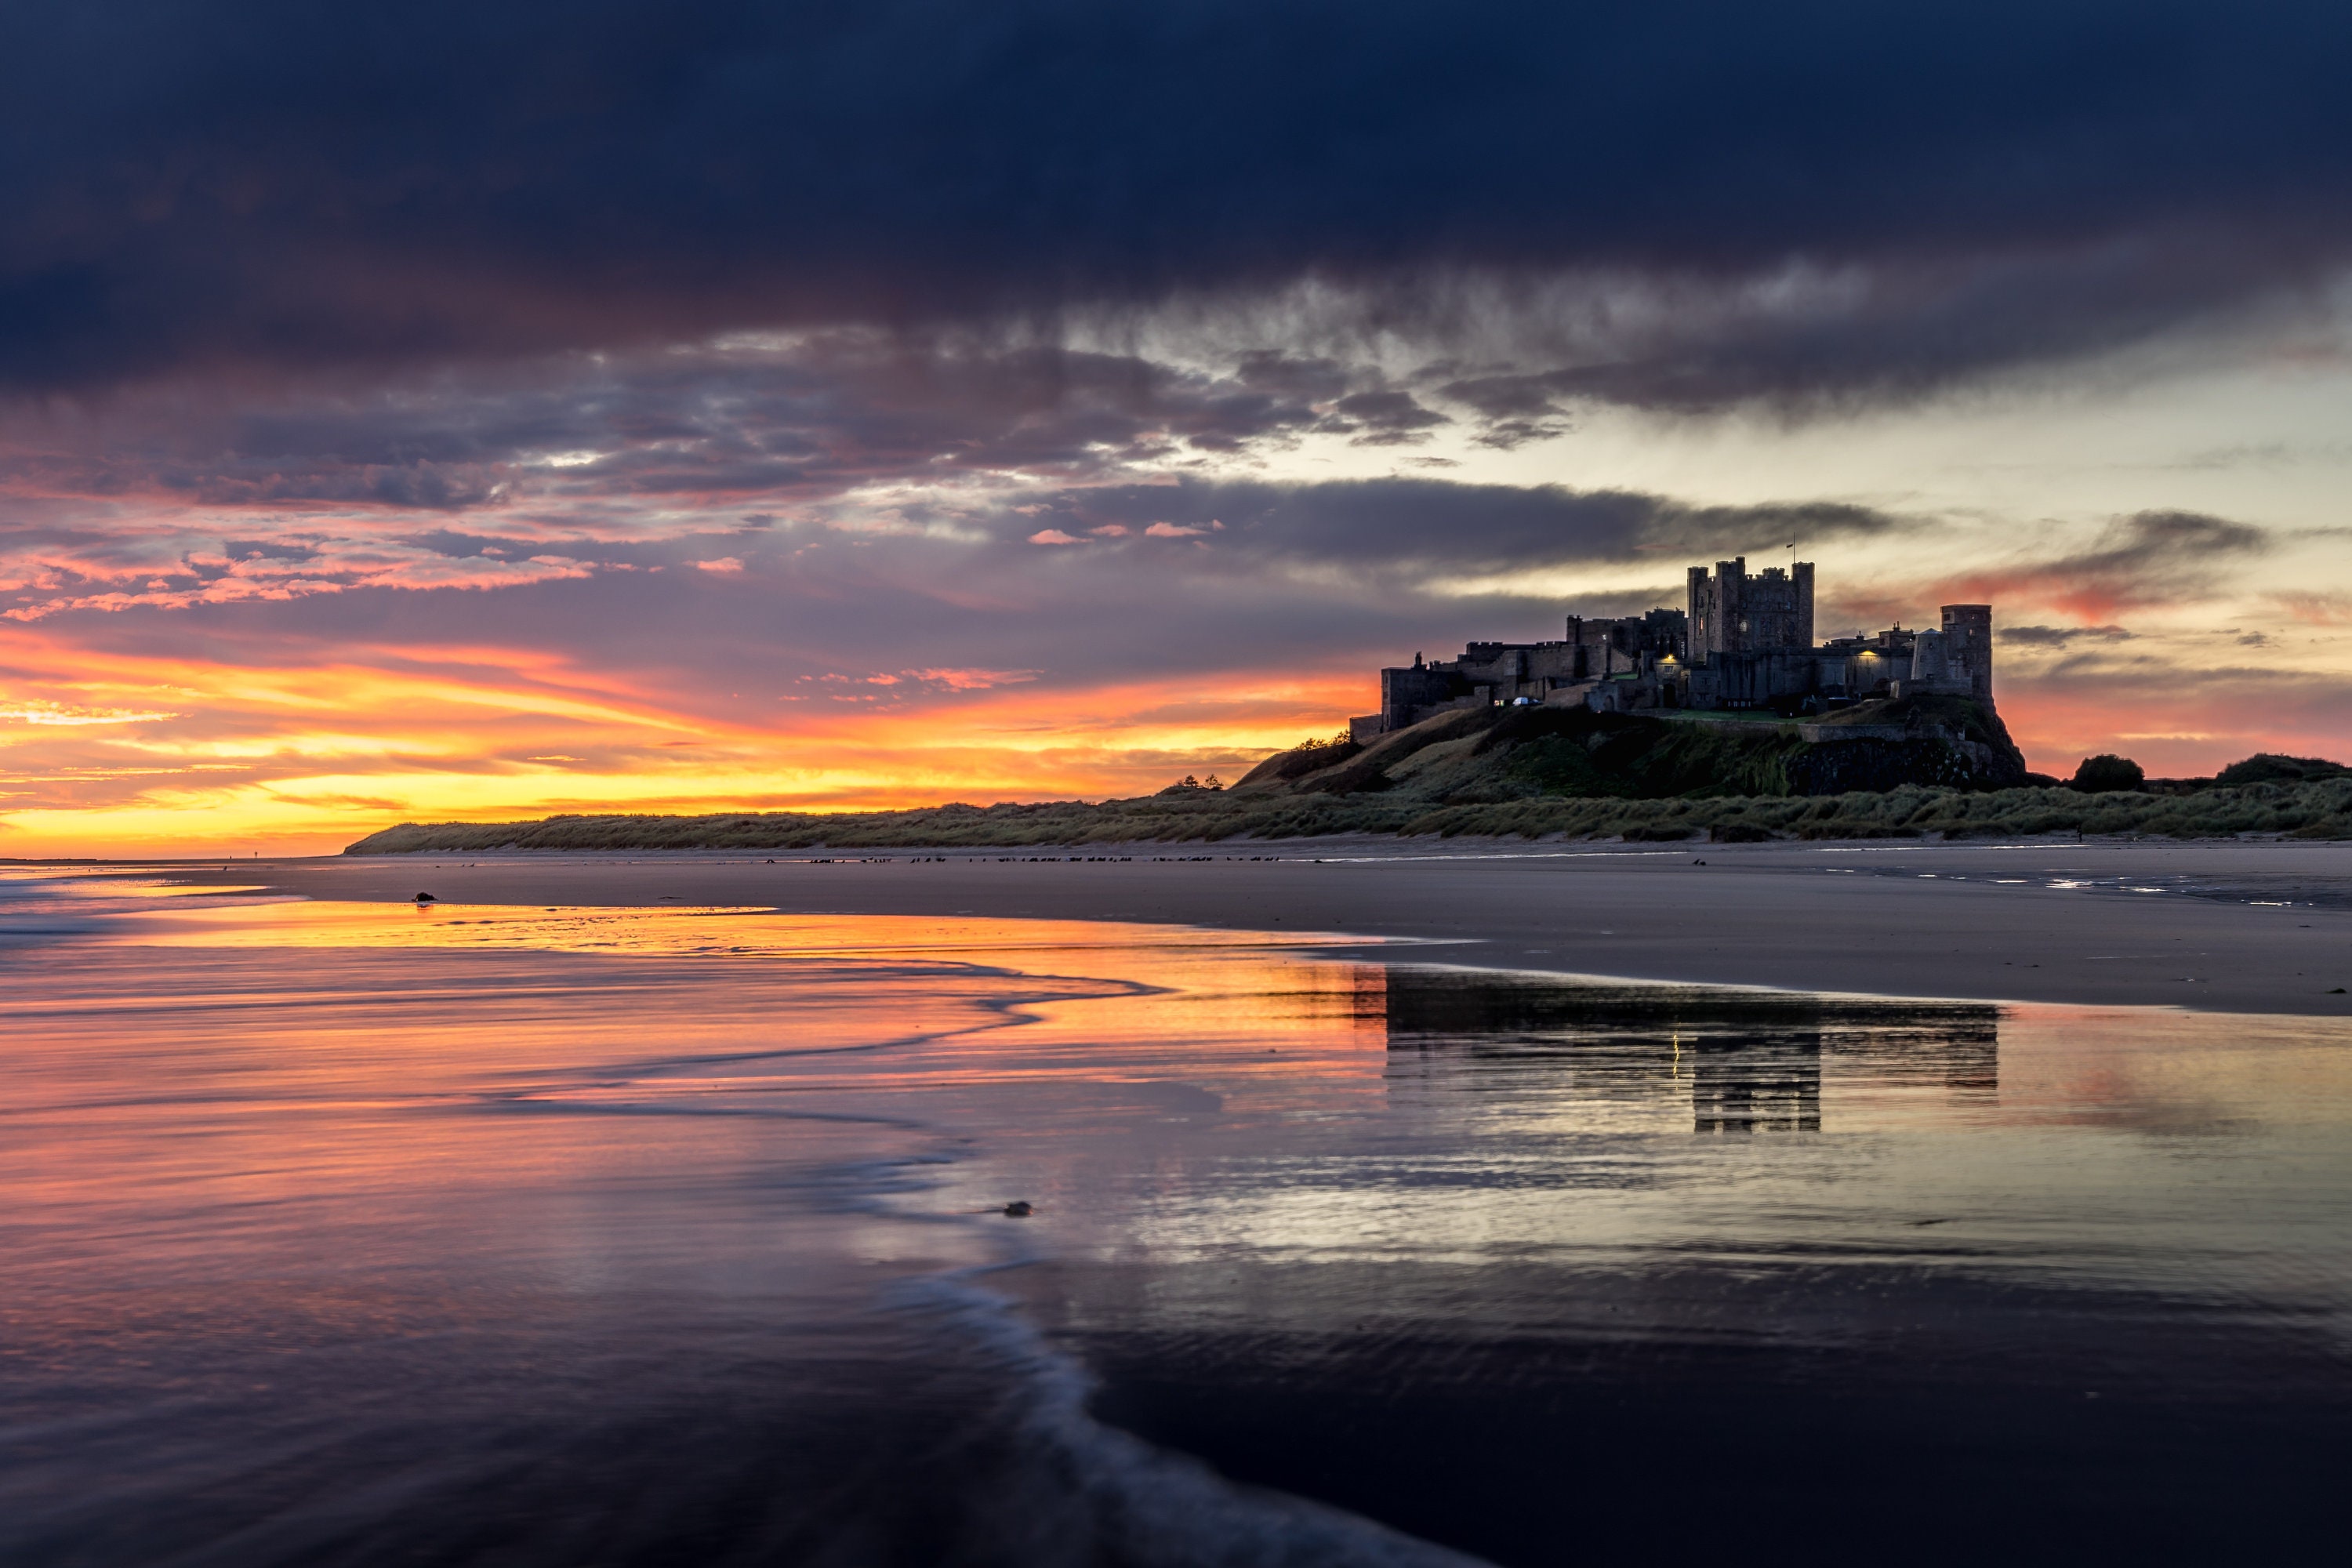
348,1234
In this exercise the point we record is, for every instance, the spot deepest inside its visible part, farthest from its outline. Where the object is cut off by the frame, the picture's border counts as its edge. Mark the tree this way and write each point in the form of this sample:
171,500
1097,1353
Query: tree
2106,773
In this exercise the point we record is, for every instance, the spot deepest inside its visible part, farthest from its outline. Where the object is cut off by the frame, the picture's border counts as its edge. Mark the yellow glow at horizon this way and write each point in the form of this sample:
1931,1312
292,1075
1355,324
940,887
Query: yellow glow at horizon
303,789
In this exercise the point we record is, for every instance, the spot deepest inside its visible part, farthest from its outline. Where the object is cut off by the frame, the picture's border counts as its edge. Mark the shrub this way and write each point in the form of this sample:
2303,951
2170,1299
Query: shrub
2106,773
2270,767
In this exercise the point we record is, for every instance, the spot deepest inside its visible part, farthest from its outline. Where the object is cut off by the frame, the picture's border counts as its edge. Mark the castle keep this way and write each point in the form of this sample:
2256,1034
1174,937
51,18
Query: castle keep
1744,640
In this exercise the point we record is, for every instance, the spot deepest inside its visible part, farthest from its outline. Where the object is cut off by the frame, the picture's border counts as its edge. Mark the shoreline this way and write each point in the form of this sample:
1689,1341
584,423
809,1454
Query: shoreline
1469,772
2218,926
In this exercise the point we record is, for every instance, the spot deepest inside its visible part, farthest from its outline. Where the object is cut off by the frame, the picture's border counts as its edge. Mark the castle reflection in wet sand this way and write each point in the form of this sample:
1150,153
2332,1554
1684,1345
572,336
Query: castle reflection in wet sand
1753,1061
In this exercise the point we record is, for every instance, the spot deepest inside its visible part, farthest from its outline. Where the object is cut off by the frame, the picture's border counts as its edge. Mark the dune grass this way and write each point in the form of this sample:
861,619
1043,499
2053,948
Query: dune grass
1537,774
2305,809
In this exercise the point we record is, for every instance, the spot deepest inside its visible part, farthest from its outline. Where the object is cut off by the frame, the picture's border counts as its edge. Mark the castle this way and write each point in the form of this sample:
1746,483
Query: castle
1744,641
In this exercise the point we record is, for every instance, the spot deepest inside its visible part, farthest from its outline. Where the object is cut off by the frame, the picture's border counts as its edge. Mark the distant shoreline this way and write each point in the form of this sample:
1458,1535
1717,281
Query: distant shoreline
2315,809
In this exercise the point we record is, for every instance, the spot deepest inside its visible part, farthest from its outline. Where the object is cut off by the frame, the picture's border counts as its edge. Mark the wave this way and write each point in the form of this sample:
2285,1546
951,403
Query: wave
1082,1493
35,910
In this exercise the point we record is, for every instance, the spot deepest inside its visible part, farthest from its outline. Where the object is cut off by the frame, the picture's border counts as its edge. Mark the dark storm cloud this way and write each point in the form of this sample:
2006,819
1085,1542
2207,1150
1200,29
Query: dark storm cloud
2158,549
1382,419
1157,577
1409,525
284,184
2147,558
804,422
2166,541
2061,636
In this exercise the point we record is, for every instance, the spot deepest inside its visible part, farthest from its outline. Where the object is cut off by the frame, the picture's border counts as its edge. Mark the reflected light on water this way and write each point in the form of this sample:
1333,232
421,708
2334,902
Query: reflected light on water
347,1232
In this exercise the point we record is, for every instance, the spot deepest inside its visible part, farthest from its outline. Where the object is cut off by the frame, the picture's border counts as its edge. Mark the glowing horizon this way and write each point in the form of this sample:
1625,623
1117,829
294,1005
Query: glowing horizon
130,755
130,746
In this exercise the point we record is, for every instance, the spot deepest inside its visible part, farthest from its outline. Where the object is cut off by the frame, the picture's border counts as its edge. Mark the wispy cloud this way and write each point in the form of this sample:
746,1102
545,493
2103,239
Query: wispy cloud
61,715
2149,558
2059,637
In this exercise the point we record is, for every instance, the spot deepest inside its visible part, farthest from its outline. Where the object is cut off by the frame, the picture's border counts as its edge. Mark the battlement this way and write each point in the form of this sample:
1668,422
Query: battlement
1744,641
1733,610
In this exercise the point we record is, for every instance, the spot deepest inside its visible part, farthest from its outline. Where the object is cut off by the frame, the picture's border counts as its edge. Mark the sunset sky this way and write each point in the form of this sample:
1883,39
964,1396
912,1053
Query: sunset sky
425,412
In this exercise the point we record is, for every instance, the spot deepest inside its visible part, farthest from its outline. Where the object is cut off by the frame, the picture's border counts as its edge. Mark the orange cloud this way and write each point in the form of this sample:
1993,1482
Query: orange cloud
227,758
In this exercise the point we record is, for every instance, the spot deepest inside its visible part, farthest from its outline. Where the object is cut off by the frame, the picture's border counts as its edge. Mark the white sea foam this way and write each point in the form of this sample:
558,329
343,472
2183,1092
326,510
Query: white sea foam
37,908
1097,1493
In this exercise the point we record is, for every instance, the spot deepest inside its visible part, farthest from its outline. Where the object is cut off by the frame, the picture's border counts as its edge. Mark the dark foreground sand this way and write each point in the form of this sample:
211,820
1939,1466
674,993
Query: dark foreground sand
2229,927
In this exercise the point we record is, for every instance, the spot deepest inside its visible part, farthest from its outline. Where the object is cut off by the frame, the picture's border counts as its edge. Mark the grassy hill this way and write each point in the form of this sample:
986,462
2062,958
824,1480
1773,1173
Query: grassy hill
1490,755
1925,765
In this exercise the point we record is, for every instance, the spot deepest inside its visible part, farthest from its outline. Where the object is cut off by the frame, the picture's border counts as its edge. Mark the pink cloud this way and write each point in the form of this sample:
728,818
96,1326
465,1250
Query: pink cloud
974,679
1052,536
2315,609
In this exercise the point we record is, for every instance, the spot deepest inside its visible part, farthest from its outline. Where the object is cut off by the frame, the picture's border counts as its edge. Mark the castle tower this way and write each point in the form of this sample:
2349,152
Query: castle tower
1967,648
1706,622
1734,612
1929,671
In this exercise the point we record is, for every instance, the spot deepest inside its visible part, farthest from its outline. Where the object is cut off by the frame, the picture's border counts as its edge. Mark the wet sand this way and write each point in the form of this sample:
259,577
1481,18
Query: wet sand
491,1238
2227,927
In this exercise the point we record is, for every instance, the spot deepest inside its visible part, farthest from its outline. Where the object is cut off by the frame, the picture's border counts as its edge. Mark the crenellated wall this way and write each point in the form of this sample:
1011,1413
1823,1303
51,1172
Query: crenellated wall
1745,641
1733,610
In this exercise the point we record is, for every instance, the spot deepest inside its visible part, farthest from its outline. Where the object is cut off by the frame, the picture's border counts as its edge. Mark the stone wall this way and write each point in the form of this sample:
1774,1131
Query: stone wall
1733,610
1745,642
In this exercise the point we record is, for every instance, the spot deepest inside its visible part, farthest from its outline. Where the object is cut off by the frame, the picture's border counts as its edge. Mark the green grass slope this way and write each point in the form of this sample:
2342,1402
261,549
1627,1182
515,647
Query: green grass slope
1487,756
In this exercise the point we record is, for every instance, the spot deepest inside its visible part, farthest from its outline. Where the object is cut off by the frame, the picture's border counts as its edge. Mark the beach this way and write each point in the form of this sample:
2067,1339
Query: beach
1276,1211
2237,927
